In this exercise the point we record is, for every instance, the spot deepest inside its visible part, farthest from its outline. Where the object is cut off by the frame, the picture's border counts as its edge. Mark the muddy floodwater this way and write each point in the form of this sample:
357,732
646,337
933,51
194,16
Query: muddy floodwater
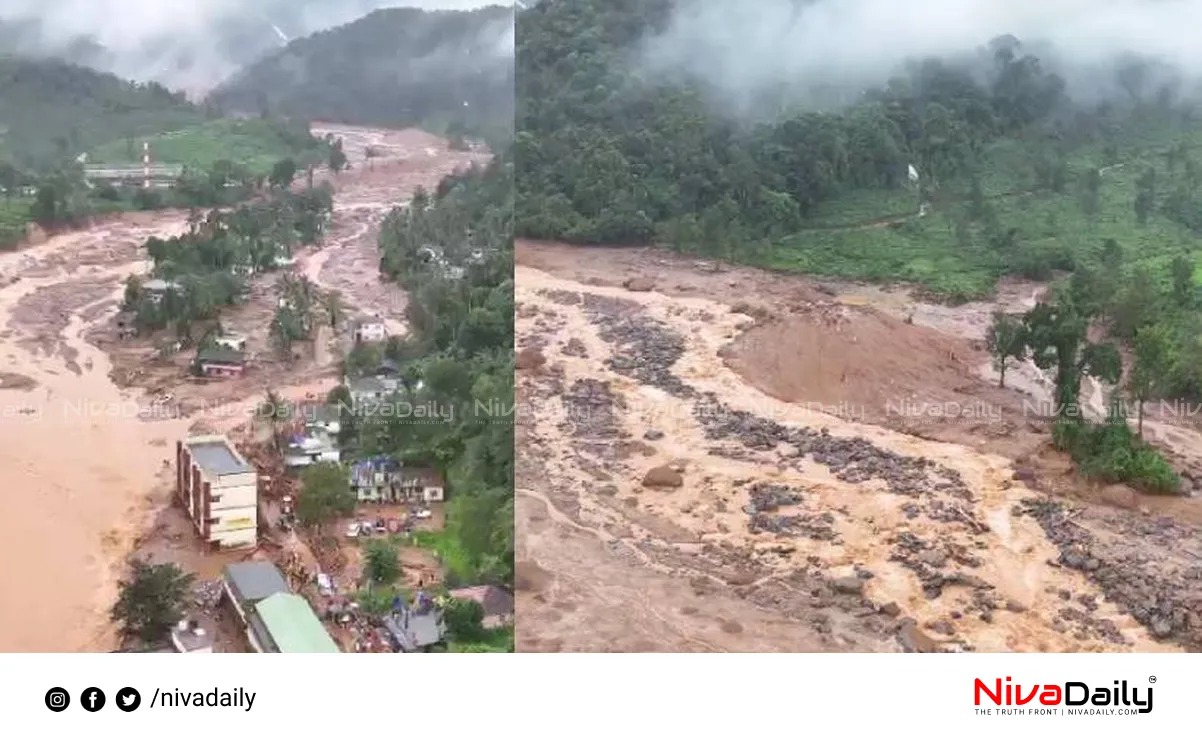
84,468
711,458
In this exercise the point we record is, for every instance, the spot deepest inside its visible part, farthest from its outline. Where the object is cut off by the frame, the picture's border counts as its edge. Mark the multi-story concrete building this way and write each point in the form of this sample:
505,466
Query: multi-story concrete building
219,489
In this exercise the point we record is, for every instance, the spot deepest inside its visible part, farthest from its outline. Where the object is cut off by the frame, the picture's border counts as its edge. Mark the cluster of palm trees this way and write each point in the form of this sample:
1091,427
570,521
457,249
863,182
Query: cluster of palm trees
300,300
209,265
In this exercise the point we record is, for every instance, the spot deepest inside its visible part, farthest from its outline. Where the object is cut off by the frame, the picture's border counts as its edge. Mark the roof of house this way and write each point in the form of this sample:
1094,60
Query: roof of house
216,456
496,601
159,285
368,320
414,630
293,626
426,476
367,384
363,471
255,580
311,441
220,355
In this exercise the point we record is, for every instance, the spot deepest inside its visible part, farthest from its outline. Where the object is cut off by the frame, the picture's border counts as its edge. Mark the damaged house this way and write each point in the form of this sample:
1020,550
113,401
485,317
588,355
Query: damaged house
384,479
415,628
219,361
310,446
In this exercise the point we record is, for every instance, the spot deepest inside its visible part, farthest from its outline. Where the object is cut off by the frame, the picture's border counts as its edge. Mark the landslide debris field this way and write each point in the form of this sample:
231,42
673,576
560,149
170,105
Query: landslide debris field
721,459
84,443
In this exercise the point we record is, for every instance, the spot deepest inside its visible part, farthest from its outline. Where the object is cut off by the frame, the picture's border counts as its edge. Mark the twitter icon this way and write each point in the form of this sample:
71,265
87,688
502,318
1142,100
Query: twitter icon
128,699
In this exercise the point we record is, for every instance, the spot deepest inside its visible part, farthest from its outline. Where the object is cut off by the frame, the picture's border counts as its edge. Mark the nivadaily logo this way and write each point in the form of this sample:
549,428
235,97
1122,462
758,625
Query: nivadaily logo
1069,698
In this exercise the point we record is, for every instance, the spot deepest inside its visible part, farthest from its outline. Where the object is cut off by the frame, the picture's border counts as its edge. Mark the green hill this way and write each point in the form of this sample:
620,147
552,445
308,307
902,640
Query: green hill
49,109
256,144
444,70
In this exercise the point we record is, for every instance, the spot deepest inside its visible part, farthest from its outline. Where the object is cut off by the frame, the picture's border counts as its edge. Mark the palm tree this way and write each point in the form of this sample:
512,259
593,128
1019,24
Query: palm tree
275,410
334,309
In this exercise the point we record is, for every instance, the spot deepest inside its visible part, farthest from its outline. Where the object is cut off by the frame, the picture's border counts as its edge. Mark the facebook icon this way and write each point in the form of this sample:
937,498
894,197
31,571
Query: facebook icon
92,699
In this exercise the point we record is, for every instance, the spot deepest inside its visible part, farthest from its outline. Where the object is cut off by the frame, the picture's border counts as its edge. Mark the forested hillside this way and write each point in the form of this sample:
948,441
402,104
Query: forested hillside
443,70
50,108
1013,171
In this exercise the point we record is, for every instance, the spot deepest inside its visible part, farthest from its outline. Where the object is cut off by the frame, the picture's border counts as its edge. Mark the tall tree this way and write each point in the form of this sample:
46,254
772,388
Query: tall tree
150,600
1056,335
1007,341
283,173
325,495
1153,362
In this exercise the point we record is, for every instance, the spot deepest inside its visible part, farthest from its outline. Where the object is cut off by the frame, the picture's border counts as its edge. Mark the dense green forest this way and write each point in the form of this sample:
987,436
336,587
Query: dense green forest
609,155
1015,178
448,71
453,251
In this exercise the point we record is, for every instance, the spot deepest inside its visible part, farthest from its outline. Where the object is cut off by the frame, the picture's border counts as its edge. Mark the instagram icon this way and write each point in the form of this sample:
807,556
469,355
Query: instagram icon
57,699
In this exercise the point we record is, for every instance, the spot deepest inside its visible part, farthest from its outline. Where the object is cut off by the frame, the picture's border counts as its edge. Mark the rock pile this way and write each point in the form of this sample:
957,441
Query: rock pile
575,348
1163,595
644,349
591,410
853,460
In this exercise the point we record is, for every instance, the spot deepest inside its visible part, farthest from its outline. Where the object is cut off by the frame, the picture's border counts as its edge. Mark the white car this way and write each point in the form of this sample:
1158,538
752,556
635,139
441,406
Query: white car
423,514
352,531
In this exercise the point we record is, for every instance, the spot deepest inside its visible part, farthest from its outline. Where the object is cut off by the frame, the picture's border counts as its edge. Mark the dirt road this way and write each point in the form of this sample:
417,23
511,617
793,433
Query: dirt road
725,459
85,468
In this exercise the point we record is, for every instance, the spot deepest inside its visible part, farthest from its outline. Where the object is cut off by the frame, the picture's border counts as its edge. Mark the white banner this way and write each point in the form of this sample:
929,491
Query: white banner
473,697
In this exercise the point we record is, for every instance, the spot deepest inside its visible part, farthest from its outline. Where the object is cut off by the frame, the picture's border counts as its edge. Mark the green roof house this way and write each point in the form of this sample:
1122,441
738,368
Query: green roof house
285,623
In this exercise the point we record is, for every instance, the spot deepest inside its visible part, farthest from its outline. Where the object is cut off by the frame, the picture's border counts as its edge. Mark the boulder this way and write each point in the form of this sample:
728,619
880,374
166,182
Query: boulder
662,477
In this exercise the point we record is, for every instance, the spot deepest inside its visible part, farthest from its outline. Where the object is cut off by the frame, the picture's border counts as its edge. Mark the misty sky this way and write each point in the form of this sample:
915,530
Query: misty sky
863,41
147,38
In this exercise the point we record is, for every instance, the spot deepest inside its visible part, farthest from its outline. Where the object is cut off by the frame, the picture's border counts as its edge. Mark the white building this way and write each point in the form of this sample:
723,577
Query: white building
370,330
232,341
220,491
370,390
156,288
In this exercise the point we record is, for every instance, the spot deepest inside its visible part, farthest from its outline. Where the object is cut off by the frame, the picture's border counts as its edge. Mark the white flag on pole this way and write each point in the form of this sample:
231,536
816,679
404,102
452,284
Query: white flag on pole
913,174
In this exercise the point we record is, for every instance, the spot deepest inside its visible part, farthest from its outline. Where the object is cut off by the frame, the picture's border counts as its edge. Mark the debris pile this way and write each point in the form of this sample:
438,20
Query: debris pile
206,595
1161,594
